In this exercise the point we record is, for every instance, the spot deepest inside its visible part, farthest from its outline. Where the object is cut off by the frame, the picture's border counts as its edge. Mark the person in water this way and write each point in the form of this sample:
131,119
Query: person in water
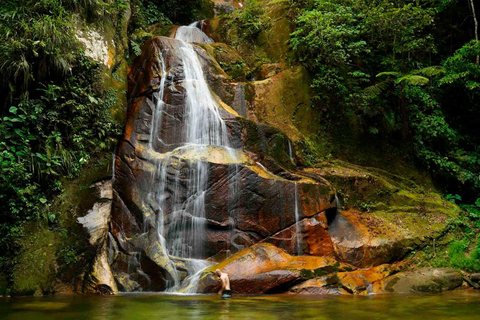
225,291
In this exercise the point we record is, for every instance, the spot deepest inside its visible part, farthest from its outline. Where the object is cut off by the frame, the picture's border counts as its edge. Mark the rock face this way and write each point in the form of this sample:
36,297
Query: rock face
251,195
100,279
245,202
383,217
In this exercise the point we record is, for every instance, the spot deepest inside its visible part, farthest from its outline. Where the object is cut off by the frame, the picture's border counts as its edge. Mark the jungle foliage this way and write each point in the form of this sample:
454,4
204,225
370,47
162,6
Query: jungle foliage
53,118
406,70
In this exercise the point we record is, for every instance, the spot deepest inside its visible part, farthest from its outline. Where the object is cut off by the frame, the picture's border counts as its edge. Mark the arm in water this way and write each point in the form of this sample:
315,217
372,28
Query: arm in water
225,291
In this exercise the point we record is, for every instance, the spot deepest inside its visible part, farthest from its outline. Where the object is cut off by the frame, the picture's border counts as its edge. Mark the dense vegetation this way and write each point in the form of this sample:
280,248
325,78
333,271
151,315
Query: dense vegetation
408,72
55,111
53,119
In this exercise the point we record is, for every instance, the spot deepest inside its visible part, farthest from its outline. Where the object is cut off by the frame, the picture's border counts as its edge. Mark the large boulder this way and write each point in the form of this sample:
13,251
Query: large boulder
383,216
349,282
423,280
264,268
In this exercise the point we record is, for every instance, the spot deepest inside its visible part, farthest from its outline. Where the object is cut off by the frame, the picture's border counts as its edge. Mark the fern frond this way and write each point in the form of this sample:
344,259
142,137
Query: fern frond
413,80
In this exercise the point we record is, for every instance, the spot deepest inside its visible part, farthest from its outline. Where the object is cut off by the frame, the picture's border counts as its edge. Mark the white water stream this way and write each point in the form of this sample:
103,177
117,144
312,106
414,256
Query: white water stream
297,222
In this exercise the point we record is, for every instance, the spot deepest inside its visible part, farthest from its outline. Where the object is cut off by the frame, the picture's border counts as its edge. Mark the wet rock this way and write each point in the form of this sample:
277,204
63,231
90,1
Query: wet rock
327,285
348,282
245,202
475,277
423,280
265,268
311,238
384,216
359,281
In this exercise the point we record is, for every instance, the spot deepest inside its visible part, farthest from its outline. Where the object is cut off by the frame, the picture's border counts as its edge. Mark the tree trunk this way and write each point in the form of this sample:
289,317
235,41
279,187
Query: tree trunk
476,25
403,107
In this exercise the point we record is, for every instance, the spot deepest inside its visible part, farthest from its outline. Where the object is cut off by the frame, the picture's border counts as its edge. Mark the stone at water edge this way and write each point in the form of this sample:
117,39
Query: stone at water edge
423,280
100,279
350,282
264,268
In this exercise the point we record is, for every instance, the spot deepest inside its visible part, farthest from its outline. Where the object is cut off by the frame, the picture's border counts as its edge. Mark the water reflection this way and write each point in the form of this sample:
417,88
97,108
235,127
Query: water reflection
450,305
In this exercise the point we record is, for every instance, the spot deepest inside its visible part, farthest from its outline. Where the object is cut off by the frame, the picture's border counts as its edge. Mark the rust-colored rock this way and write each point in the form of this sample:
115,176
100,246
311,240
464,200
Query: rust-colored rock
313,237
348,282
264,268
245,203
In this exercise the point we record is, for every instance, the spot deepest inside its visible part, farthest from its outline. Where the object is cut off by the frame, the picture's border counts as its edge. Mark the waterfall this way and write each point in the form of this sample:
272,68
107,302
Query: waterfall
297,222
180,216
196,268
192,33
290,151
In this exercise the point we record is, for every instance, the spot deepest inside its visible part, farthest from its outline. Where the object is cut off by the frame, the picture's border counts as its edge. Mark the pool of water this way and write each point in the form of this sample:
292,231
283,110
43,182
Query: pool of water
448,305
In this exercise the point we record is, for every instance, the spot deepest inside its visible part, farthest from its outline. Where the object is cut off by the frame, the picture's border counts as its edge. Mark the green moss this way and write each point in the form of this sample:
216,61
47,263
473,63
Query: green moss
4,287
78,194
34,272
267,141
258,43
323,271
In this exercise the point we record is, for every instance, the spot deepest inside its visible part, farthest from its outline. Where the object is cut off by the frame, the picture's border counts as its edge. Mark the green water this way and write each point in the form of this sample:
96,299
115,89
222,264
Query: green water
449,305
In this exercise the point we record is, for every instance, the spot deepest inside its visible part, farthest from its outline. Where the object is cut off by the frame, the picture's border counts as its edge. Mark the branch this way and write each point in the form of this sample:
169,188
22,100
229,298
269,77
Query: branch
476,26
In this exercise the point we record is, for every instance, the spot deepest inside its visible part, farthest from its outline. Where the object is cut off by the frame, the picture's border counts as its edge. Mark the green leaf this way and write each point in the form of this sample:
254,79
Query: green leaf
51,217
13,110
413,80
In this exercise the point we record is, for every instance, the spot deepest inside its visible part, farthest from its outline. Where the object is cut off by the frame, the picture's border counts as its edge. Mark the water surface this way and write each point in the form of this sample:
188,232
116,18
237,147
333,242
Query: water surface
449,305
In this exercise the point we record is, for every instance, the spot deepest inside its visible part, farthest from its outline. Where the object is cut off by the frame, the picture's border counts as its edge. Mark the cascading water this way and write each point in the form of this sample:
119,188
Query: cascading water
181,218
290,151
192,33
297,221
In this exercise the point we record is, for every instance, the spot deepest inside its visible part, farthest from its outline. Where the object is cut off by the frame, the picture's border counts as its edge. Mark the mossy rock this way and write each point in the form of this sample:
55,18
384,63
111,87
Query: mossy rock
284,102
230,61
34,272
384,216
269,45
364,188
267,141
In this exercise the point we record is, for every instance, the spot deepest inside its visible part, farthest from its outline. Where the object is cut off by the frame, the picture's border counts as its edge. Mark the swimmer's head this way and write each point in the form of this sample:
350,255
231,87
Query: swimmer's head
218,272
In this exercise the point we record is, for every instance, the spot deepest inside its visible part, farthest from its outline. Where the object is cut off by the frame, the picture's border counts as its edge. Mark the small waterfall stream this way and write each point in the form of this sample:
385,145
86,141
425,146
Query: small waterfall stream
290,151
297,222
